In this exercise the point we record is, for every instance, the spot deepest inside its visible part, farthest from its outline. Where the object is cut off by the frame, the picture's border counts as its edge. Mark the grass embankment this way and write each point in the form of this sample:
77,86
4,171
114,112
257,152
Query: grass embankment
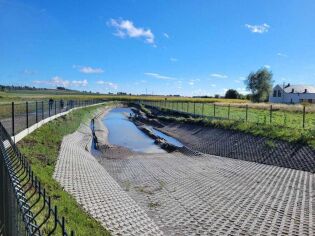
292,135
277,114
41,149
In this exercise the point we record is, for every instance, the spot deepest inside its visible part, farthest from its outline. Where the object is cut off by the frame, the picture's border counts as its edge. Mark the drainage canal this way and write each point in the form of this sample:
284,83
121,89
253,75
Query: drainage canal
123,132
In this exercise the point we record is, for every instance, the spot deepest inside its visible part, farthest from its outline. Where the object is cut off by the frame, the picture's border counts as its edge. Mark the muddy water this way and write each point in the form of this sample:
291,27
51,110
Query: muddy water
169,139
124,133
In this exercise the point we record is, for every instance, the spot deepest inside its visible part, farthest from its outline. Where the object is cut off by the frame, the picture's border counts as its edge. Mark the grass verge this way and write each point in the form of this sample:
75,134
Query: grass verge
292,135
41,149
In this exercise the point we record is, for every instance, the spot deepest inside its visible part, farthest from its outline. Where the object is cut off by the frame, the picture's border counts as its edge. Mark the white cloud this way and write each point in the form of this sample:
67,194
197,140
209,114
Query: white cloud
126,28
173,59
81,83
267,66
108,84
57,81
221,76
263,28
280,54
158,76
89,69
213,85
166,35
191,83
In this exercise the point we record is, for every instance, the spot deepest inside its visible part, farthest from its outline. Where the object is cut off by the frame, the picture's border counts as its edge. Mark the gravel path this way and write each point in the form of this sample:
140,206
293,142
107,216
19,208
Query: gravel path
99,194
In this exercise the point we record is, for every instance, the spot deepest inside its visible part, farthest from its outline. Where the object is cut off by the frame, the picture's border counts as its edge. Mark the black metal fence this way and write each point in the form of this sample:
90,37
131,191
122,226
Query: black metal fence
18,116
299,117
25,208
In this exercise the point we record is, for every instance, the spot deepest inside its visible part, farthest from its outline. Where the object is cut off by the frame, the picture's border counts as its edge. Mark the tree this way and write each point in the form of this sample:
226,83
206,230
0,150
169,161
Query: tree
260,84
232,93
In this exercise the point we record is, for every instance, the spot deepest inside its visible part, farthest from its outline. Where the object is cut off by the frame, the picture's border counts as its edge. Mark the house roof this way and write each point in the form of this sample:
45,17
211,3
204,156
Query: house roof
299,88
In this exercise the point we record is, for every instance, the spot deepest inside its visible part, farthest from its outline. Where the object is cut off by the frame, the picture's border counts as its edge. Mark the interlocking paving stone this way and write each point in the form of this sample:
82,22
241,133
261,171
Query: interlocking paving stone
186,195
209,195
82,176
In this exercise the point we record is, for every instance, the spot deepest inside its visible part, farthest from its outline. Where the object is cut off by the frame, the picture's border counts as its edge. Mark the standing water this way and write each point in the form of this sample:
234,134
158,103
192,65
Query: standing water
124,133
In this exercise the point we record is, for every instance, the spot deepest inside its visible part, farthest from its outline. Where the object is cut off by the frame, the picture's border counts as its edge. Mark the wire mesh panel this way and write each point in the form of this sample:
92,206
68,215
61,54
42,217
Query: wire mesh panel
20,121
6,116
25,207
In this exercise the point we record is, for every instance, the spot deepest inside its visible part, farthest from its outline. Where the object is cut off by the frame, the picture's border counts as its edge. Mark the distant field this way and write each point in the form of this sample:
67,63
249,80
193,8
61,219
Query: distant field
23,95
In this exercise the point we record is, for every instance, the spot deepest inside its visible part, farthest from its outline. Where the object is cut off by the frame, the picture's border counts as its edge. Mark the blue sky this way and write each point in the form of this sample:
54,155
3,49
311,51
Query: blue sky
162,47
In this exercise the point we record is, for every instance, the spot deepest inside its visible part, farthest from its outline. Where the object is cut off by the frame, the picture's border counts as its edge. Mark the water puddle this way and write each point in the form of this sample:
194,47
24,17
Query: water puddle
124,133
169,139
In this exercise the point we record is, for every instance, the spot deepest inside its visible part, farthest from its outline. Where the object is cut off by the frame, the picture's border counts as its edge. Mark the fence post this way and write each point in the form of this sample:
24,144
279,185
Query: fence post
55,107
194,108
246,112
26,114
202,109
270,115
187,107
303,116
42,110
182,106
36,112
229,108
48,109
214,109
12,116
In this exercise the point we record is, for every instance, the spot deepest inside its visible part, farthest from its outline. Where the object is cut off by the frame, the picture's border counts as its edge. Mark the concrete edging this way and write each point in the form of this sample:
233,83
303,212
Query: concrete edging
32,128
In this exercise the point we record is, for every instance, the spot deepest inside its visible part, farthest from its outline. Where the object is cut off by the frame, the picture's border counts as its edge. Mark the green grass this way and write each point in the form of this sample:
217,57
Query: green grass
41,149
284,115
294,135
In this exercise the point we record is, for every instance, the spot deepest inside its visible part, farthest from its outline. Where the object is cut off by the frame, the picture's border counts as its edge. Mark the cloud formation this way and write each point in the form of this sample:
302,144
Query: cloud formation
166,35
158,76
220,76
126,28
57,81
280,54
89,69
108,84
260,29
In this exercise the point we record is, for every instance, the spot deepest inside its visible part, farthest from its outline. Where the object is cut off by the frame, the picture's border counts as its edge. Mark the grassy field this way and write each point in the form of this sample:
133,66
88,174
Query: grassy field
29,95
41,149
277,115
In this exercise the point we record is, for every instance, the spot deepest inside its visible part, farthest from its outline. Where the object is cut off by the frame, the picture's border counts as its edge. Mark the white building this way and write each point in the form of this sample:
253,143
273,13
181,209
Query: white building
292,94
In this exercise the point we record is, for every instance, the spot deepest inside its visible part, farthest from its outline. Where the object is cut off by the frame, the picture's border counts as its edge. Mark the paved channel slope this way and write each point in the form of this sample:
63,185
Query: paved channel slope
99,194
209,195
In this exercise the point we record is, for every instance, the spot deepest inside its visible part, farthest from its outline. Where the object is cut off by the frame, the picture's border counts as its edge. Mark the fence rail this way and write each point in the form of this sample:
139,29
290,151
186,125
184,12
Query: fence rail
25,207
303,118
16,117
